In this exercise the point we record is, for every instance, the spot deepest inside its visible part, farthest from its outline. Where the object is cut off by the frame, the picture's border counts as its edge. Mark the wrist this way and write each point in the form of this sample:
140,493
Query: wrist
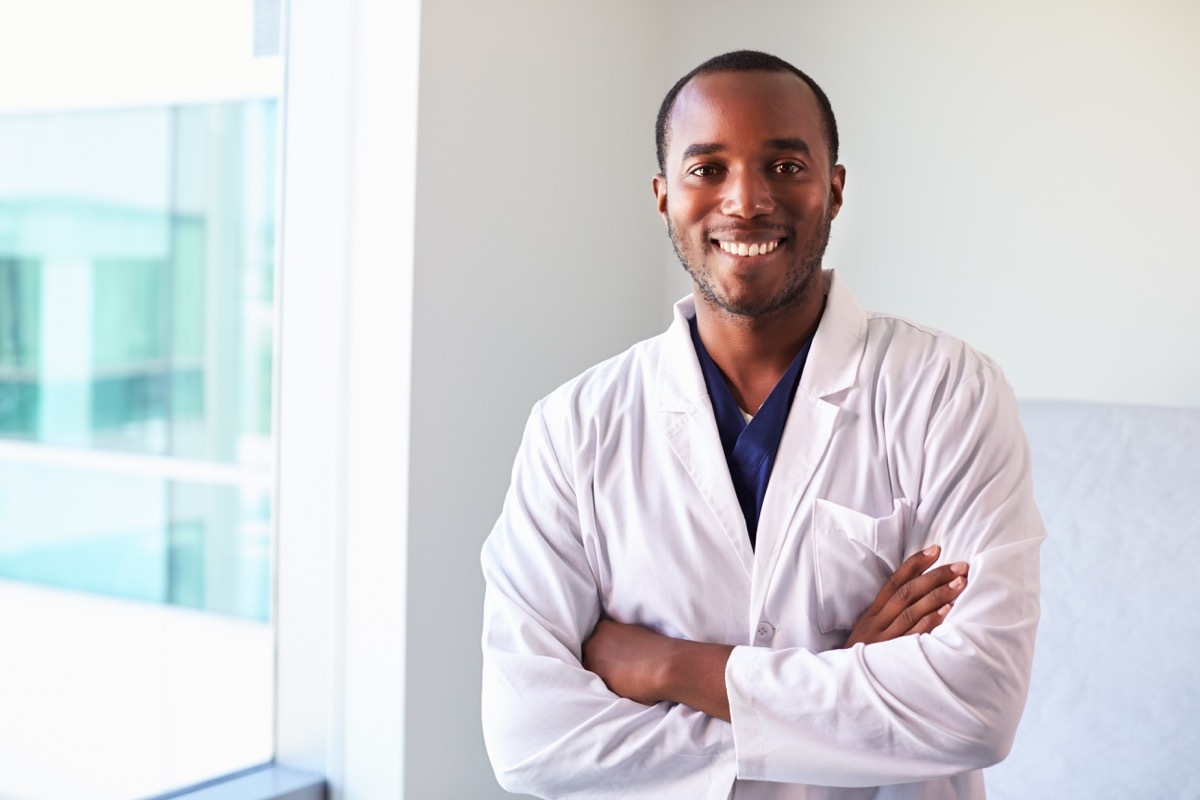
693,673
671,676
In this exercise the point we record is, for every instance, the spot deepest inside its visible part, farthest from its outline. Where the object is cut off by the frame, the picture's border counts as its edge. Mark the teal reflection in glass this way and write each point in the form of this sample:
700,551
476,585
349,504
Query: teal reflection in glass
137,318
20,312
137,536
136,279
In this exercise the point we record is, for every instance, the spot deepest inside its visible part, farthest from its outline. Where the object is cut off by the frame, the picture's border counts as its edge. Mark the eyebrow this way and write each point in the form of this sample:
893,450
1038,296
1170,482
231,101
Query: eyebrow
789,144
799,145
694,150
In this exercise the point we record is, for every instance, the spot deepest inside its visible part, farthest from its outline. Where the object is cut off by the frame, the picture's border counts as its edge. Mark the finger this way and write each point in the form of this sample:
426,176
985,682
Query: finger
922,585
911,569
912,616
927,623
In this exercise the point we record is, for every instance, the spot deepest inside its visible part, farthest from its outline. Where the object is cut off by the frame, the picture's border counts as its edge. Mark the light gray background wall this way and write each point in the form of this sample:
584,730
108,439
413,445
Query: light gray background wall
1020,174
538,252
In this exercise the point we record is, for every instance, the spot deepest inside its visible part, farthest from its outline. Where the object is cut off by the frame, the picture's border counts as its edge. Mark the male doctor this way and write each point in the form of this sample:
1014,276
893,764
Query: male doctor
786,549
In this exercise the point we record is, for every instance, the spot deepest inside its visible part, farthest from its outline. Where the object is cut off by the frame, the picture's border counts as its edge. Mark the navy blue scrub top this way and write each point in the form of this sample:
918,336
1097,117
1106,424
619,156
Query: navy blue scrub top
750,448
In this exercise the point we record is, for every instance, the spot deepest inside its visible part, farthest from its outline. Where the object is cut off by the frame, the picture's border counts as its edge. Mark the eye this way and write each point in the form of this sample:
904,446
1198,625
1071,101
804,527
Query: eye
704,171
788,168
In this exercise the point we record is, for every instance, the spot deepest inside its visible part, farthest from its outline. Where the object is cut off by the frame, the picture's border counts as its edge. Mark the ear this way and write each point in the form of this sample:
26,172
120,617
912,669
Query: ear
660,195
837,182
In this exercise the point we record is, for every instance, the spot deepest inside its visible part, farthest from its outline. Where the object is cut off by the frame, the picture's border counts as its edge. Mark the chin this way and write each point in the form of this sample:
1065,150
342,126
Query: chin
749,306
758,305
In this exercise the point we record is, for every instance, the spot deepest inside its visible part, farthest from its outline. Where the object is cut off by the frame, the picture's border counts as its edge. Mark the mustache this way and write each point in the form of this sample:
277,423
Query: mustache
775,231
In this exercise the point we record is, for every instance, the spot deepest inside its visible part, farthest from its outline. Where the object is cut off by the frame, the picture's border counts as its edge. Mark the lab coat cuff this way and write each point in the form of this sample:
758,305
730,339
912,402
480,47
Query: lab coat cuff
749,734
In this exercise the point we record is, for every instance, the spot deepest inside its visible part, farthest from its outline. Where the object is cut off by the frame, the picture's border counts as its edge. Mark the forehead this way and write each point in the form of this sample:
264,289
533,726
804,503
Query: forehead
740,110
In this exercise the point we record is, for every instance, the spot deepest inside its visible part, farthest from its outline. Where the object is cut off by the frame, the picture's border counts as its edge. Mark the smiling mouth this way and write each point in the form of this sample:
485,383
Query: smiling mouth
748,248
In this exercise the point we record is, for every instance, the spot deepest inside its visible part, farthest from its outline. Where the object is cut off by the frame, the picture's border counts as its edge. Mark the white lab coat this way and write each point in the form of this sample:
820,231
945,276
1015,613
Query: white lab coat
621,503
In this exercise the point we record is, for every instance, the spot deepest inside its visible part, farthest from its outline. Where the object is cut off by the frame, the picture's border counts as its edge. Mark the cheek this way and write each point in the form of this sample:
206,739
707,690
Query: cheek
684,223
810,209
688,207
827,202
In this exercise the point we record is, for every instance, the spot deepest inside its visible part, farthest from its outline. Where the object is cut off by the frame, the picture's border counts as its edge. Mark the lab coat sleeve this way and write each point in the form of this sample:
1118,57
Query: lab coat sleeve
552,728
938,704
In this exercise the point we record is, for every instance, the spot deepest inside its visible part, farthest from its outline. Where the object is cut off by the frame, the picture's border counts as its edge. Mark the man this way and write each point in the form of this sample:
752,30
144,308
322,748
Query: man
714,574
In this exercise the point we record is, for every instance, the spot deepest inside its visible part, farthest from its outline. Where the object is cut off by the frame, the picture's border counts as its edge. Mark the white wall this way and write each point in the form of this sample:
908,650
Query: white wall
1020,175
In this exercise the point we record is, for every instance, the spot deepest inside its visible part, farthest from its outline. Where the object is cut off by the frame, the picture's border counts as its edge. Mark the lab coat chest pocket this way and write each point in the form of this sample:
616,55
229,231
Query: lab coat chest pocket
854,554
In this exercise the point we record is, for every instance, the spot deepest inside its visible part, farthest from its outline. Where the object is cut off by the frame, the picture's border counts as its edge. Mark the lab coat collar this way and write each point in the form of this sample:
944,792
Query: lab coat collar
680,381
838,344
832,363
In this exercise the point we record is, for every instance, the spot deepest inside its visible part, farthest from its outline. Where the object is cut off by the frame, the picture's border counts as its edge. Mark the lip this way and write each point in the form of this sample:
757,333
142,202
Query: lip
763,236
749,235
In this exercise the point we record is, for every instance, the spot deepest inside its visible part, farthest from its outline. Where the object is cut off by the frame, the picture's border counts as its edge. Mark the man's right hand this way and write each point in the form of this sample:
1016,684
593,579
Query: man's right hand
912,600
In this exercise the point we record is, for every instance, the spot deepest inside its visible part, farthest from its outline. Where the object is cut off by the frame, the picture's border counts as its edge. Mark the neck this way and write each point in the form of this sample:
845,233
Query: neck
754,352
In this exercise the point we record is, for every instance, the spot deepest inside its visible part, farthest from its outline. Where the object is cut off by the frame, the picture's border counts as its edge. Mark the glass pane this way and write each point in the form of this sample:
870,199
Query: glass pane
203,546
136,307
136,447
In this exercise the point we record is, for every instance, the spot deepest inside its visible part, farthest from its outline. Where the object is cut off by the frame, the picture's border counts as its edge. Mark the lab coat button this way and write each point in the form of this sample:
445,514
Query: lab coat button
765,630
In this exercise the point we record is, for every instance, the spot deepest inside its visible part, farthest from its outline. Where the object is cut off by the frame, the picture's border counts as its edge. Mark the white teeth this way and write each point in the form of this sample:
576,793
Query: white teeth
743,249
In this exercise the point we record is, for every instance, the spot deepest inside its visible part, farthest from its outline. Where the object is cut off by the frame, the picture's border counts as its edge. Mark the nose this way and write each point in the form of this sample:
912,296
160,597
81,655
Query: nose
747,194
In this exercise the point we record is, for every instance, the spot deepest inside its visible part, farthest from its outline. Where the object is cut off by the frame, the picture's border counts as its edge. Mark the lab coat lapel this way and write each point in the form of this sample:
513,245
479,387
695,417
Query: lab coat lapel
830,370
691,429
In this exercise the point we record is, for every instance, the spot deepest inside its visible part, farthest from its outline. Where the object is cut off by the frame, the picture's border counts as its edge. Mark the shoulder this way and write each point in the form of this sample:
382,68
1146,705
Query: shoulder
880,353
617,384
923,379
897,343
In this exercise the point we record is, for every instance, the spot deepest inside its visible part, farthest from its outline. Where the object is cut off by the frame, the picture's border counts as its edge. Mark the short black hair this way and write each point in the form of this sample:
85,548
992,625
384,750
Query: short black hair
742,61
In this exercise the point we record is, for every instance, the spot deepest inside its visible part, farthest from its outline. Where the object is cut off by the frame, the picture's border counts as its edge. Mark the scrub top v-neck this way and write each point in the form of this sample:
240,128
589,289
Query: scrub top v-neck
749,447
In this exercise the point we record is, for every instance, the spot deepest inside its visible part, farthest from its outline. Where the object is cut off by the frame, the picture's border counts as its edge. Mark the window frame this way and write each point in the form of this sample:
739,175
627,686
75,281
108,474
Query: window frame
343,386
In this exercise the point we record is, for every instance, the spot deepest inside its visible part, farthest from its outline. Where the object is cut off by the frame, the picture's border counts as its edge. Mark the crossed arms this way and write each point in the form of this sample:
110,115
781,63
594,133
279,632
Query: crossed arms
637,663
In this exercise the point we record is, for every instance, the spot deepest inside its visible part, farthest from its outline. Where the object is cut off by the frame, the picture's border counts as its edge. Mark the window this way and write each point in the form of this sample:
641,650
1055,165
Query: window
339,612
138,233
